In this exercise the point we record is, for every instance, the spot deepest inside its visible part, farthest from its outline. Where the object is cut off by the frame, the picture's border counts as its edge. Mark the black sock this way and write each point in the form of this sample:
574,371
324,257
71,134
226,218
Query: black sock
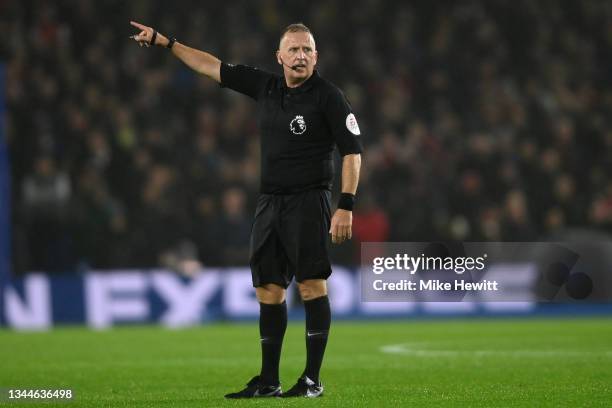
318,320
272,326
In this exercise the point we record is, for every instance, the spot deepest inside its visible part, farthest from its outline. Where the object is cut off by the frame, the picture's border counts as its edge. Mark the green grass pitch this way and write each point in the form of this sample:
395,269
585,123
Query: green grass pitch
471,363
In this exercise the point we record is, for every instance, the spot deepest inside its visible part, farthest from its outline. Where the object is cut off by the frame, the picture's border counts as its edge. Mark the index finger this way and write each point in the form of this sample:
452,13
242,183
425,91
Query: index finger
137,25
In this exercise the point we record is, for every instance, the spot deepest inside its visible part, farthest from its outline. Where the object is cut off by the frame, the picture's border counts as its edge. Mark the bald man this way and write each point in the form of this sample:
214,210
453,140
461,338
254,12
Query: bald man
302,119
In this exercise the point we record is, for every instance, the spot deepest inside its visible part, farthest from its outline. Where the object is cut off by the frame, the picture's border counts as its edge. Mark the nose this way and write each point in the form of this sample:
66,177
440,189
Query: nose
301,54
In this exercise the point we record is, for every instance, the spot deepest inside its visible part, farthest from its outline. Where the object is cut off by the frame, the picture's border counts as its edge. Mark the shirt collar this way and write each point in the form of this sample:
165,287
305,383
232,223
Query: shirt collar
305,86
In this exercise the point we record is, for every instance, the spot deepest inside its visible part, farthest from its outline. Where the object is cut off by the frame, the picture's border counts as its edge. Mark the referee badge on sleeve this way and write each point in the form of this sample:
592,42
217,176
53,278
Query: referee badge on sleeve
351,124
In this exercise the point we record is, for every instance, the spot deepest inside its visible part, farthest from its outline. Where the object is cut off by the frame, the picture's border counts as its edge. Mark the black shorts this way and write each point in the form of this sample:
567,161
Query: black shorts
290,237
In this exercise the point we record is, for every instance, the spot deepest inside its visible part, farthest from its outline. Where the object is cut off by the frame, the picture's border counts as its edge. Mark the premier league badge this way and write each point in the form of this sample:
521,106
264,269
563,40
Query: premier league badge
297,125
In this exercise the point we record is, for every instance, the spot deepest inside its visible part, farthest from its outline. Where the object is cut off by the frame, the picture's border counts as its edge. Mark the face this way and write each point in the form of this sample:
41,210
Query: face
297,50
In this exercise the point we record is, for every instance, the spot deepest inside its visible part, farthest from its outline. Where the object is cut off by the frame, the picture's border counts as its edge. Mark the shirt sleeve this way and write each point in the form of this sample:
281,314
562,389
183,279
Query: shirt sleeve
247,80
343,124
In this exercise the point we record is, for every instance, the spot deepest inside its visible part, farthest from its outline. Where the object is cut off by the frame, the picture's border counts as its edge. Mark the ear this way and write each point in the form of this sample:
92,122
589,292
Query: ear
315,58
278,57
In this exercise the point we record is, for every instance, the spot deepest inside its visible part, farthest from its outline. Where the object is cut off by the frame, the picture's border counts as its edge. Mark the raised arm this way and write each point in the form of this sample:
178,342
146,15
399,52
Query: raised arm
200,61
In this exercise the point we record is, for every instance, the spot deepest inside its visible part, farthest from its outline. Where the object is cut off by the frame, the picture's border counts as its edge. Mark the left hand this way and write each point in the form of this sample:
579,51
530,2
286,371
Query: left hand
341,226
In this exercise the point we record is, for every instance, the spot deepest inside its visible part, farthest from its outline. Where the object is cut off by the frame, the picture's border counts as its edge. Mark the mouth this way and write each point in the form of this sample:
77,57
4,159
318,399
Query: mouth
300,66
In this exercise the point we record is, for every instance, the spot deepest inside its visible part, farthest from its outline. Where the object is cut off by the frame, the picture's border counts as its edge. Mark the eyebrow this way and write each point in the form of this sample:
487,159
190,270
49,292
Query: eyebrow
293,47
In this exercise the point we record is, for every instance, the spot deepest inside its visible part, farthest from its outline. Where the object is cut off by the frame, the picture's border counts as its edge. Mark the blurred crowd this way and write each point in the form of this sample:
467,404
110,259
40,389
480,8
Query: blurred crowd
481,120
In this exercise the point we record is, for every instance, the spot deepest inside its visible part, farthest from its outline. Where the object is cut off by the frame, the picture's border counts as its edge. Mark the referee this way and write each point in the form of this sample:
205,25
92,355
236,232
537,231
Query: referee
302,118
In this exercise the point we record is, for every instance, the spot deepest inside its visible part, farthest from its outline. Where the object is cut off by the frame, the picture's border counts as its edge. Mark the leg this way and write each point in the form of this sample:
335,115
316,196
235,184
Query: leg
311,289
306,225
318,321
272,327
270,294
268,269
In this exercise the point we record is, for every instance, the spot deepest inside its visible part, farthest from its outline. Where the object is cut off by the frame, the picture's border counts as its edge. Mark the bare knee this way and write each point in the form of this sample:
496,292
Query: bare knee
312,289
270,294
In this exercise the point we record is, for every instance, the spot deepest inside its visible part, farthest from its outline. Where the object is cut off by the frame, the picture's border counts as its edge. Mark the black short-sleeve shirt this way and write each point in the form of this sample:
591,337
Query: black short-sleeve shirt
299,127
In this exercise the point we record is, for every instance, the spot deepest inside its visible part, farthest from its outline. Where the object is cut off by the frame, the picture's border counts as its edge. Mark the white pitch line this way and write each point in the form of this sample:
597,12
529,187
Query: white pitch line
417,349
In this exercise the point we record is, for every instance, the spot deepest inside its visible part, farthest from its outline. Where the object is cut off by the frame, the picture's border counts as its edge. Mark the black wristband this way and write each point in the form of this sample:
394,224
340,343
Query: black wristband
153,37
346,202
170,43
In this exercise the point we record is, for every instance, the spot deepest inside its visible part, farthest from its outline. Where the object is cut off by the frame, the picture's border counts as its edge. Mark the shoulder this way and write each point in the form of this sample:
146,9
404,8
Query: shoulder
329,92
270,80
328,87
246,79
330,95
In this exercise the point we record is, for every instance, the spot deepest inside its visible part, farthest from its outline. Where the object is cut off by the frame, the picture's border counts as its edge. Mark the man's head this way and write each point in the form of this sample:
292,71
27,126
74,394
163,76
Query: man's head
297,50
